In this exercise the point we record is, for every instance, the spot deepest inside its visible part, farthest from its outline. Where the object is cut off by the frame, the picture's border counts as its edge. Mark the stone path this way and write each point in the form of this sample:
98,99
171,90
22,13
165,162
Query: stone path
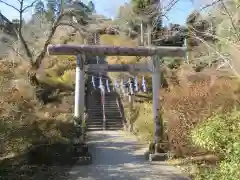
118,156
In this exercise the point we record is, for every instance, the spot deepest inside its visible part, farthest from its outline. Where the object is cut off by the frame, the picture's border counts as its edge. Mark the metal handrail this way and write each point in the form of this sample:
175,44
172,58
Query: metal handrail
103,107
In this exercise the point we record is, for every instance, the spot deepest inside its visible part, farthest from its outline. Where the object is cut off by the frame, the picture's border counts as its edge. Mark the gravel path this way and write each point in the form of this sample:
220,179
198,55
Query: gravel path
117,156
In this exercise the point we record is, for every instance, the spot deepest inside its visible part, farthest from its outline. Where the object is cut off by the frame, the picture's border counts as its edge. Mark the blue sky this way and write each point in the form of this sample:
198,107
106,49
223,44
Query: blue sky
110,7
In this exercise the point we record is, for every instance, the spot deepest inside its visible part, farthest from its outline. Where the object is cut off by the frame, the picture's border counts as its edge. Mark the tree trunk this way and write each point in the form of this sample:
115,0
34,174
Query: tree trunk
32,76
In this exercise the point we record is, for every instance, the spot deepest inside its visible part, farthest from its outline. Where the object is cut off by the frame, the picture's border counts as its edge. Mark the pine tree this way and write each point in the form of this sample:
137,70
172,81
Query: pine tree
91,6
51,10
39,8
150,13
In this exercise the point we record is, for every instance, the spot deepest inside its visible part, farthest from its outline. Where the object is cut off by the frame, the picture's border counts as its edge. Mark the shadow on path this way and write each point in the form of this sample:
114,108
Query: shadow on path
120,157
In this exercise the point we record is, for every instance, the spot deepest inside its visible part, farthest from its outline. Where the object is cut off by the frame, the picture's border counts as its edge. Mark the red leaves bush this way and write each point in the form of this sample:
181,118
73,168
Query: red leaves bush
185,107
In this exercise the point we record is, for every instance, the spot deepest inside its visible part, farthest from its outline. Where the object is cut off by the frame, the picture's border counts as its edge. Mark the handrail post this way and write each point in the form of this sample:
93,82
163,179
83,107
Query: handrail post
130,99
103,107
102,92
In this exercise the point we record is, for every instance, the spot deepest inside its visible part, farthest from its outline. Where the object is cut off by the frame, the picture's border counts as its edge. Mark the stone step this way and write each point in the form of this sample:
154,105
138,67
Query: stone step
94,122
115,123
95,119
111,106
112,111
95,107
107,111
94,129
120,122
94,125
101,120
101,128
117,127
108,116
100,104
100,115
107,120
111,119
94,112
114,129
113,116
107,125
114,120
93,103
91,111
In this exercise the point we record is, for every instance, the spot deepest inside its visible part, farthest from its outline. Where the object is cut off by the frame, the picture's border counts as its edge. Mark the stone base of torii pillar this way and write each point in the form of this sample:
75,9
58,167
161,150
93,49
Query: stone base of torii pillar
156,152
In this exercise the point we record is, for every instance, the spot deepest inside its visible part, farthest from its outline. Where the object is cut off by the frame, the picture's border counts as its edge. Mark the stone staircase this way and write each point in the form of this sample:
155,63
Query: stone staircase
114,119
94,121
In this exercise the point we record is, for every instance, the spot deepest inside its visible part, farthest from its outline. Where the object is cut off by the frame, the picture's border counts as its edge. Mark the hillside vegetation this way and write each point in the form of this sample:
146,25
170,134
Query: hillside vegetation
199,100
26,123
200,104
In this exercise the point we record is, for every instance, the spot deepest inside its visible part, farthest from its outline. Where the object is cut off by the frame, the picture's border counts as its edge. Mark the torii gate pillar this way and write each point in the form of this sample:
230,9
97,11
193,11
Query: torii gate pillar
156,153
79,95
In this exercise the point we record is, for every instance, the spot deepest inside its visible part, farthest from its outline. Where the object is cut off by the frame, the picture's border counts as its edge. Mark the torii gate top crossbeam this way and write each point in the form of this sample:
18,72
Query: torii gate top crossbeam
103,50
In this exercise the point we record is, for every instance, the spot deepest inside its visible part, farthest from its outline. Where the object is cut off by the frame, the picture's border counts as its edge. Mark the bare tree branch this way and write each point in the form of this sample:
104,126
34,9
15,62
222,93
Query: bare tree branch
231,19
226,40
17,52
224,58
170,6
36,62
55,25
9,5
42,54
29,6
209,5
23,41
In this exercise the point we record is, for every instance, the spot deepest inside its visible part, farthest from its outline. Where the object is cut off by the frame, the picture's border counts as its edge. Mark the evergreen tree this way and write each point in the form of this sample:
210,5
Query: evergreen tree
39,8
150,14
91,6
51,10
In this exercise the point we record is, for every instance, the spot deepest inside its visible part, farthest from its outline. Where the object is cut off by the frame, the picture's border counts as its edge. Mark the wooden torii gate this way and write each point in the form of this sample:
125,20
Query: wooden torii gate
156,54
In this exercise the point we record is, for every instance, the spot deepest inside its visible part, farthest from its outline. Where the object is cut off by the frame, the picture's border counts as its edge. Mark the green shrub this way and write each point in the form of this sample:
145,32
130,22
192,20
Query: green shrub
221,134
172,63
